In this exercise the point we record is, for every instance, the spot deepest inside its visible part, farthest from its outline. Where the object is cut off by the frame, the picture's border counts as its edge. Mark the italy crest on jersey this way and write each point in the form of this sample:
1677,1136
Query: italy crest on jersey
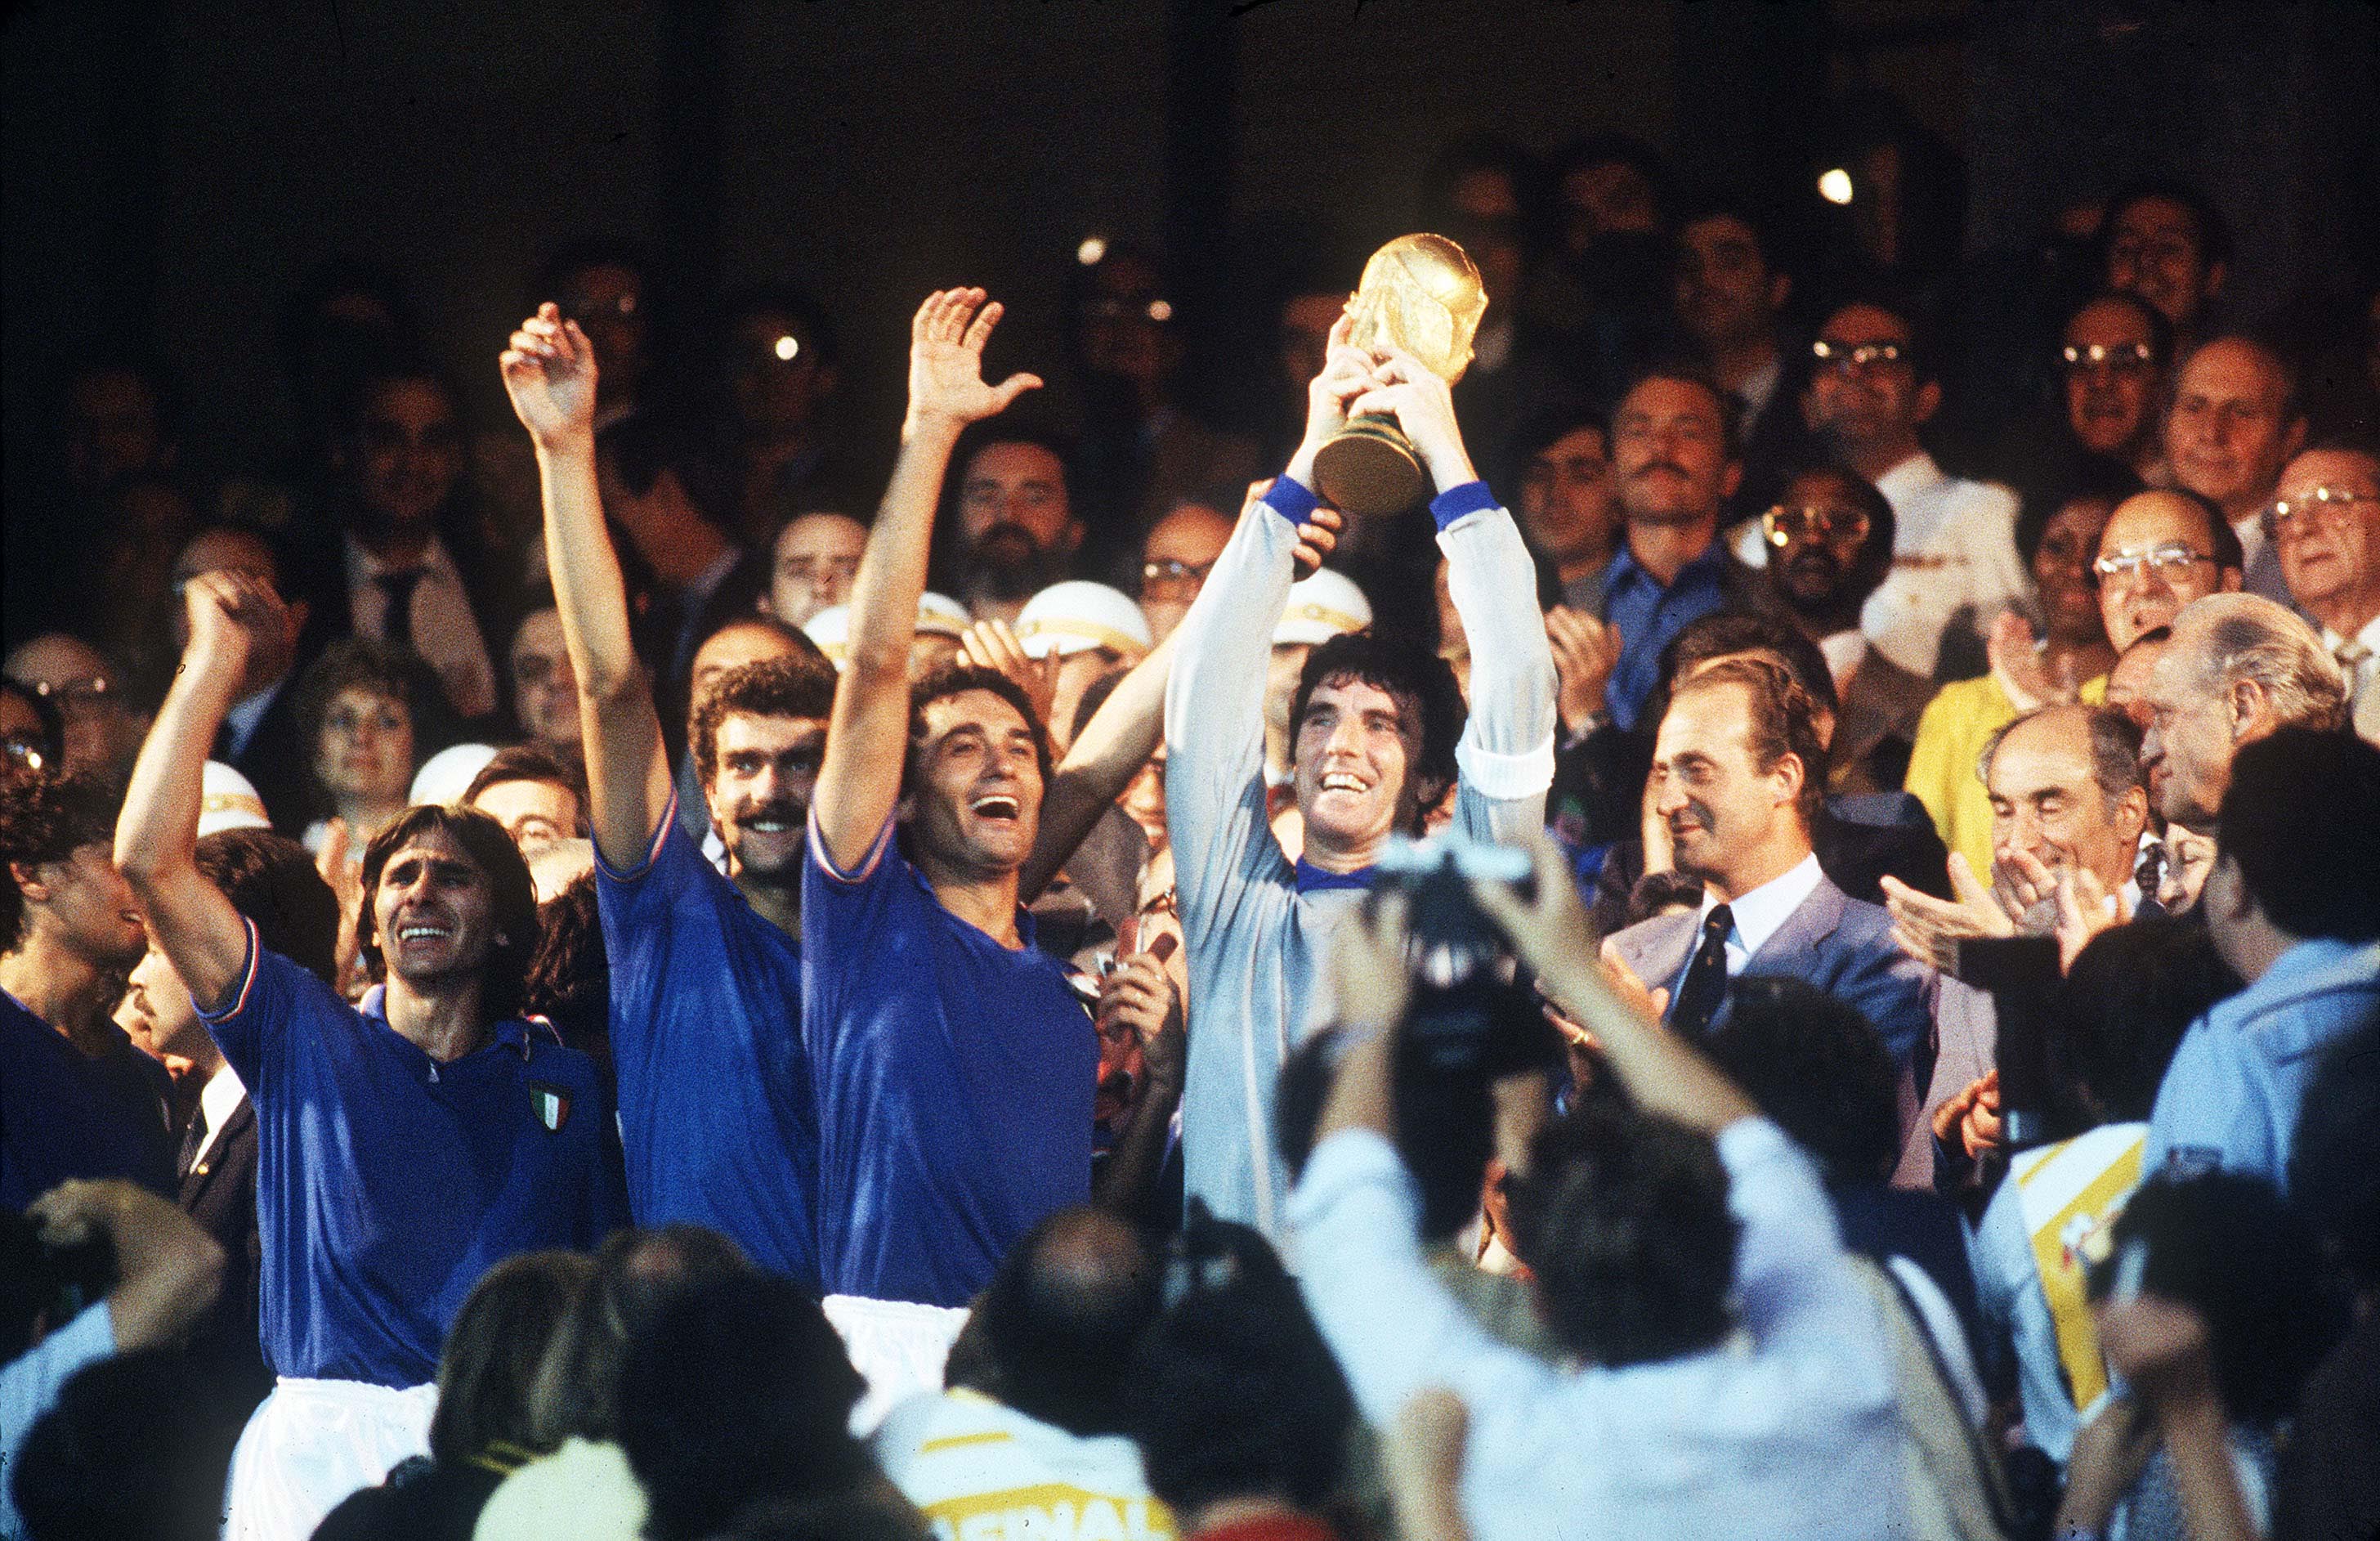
551,1106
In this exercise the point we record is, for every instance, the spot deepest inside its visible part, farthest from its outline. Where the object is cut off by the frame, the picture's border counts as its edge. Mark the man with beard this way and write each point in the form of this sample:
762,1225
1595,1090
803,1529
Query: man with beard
1673,452
1830,539
716,1113
953,1061
1954,543
1018,532
1738,773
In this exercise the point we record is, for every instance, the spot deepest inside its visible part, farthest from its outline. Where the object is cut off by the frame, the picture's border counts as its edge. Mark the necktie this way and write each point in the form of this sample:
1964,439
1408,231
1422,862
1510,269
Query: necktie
1705,982
396,627
193,1138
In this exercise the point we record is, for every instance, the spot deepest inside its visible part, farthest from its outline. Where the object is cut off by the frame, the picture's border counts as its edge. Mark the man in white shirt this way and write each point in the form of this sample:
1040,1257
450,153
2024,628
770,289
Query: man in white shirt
1734,1380
1955,561
2326,525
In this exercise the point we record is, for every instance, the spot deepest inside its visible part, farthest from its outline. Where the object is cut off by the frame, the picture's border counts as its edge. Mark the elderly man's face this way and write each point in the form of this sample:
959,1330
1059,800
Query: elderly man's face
2187,748
2329,539
1174,561
2047,804
2163,553
2227,433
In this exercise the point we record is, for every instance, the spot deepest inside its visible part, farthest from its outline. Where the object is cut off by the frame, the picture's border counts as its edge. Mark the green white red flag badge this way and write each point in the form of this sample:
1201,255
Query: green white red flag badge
552,1105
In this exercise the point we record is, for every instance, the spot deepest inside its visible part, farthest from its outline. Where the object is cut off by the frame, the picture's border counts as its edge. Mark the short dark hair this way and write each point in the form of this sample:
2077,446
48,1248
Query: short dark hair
569,981
1781,721
1683,370
503,976
46,817
793,685
1883,525
958,679
1902,304
1420,682
2212,230
1552,424
578,1387
1610,147
642,445
530,762
493,1351
1059,1319
272,880
2231,1248
1232,1393
2302,818
738,1389
1726,632
2160,329
1818,1069
1623,1216
2089,478
2118,1016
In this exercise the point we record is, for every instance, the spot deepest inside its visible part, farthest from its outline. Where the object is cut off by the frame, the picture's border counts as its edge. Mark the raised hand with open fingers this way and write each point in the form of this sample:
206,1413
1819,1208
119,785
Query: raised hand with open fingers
1926,927
549,372
992,645
946,342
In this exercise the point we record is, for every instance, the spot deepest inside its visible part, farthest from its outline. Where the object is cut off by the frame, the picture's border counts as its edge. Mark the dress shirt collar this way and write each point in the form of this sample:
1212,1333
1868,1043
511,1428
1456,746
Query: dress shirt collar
2369,636
1913,477
363,566
217,1098
1759,388
247,711
1759,913
1709,566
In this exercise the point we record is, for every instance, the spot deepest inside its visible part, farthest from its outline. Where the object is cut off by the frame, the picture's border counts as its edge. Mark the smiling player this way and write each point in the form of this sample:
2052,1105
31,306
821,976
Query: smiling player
403,1147
1375,730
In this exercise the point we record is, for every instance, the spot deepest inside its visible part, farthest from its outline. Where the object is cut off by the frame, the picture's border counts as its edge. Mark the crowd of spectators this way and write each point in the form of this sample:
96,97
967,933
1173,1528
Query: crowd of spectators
1793,949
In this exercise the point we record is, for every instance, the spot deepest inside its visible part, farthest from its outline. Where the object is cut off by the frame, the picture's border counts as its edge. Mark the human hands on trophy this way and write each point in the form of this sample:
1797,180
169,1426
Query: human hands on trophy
1347,373
1423,404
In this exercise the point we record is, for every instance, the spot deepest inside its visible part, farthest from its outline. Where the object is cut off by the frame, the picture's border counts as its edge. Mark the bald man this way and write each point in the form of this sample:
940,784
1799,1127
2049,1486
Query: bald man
2325,526
2234,423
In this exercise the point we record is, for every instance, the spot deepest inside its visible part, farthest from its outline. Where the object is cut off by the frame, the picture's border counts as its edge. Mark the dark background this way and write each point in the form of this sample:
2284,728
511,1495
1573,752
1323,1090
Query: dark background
172,167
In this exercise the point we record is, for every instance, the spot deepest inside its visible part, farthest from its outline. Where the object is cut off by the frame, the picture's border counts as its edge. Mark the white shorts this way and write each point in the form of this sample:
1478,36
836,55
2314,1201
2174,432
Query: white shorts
898,1348
312,1443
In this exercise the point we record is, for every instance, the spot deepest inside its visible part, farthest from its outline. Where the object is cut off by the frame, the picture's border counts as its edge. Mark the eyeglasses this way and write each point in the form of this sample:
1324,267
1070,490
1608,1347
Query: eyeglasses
618,307
2329,507
2122,357
1856,359
1171,573
1158,311
26,752
2169,564
80,695
1782,524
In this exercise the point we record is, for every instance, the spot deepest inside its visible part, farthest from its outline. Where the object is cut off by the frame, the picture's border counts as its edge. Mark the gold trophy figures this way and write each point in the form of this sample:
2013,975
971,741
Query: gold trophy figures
1422,293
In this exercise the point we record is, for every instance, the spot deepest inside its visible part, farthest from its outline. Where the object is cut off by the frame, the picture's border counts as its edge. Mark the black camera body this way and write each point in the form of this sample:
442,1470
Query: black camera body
1472,1005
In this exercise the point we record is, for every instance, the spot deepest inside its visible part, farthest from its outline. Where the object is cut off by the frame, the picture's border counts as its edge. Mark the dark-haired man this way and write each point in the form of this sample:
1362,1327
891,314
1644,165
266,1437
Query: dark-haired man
1734,1381
1566,507
954,1063
404,1146
716,1107
2169,245
1035,1414
1954,540
1730,297
1374,732
1739,777
2291,907
1018,530
77,1100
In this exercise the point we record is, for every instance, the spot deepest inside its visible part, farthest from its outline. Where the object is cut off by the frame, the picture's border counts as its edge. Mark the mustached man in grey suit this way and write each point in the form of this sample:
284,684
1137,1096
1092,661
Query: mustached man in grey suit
1738,774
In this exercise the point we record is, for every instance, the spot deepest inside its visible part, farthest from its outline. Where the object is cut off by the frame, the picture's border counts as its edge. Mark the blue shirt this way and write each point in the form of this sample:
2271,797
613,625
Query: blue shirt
954,1080
386,1182
65,1115
30,1385
715,1110
2230,1095
1649,615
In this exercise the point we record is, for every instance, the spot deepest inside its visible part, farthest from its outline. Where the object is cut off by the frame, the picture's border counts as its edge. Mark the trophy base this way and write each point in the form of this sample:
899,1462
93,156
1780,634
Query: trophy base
1368,468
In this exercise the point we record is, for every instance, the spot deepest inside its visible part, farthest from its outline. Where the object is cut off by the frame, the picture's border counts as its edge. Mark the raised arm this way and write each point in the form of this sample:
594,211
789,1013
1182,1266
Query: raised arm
1660,1070
868,735
1110,751
1507,751
550,374
157,833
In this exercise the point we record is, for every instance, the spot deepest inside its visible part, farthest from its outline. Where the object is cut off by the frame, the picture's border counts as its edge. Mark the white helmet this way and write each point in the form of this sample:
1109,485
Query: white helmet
1321,607
1074,617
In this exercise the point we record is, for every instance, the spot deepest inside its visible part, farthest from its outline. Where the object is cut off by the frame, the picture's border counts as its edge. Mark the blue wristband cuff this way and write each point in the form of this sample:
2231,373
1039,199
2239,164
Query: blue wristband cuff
1456,501
1290,498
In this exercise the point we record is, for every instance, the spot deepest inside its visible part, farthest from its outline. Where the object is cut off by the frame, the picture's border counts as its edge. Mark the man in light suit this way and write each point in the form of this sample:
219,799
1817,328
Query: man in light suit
1738,775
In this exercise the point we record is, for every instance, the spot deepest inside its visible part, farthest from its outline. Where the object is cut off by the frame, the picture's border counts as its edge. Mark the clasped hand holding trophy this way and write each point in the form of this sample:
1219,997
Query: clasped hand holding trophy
1421,294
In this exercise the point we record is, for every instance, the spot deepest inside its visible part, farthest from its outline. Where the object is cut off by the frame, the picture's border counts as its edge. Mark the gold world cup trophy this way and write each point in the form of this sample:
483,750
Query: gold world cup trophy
1422,293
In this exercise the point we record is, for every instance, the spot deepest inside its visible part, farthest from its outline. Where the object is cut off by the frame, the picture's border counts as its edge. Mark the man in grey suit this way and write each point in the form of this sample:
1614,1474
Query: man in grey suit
1738,775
